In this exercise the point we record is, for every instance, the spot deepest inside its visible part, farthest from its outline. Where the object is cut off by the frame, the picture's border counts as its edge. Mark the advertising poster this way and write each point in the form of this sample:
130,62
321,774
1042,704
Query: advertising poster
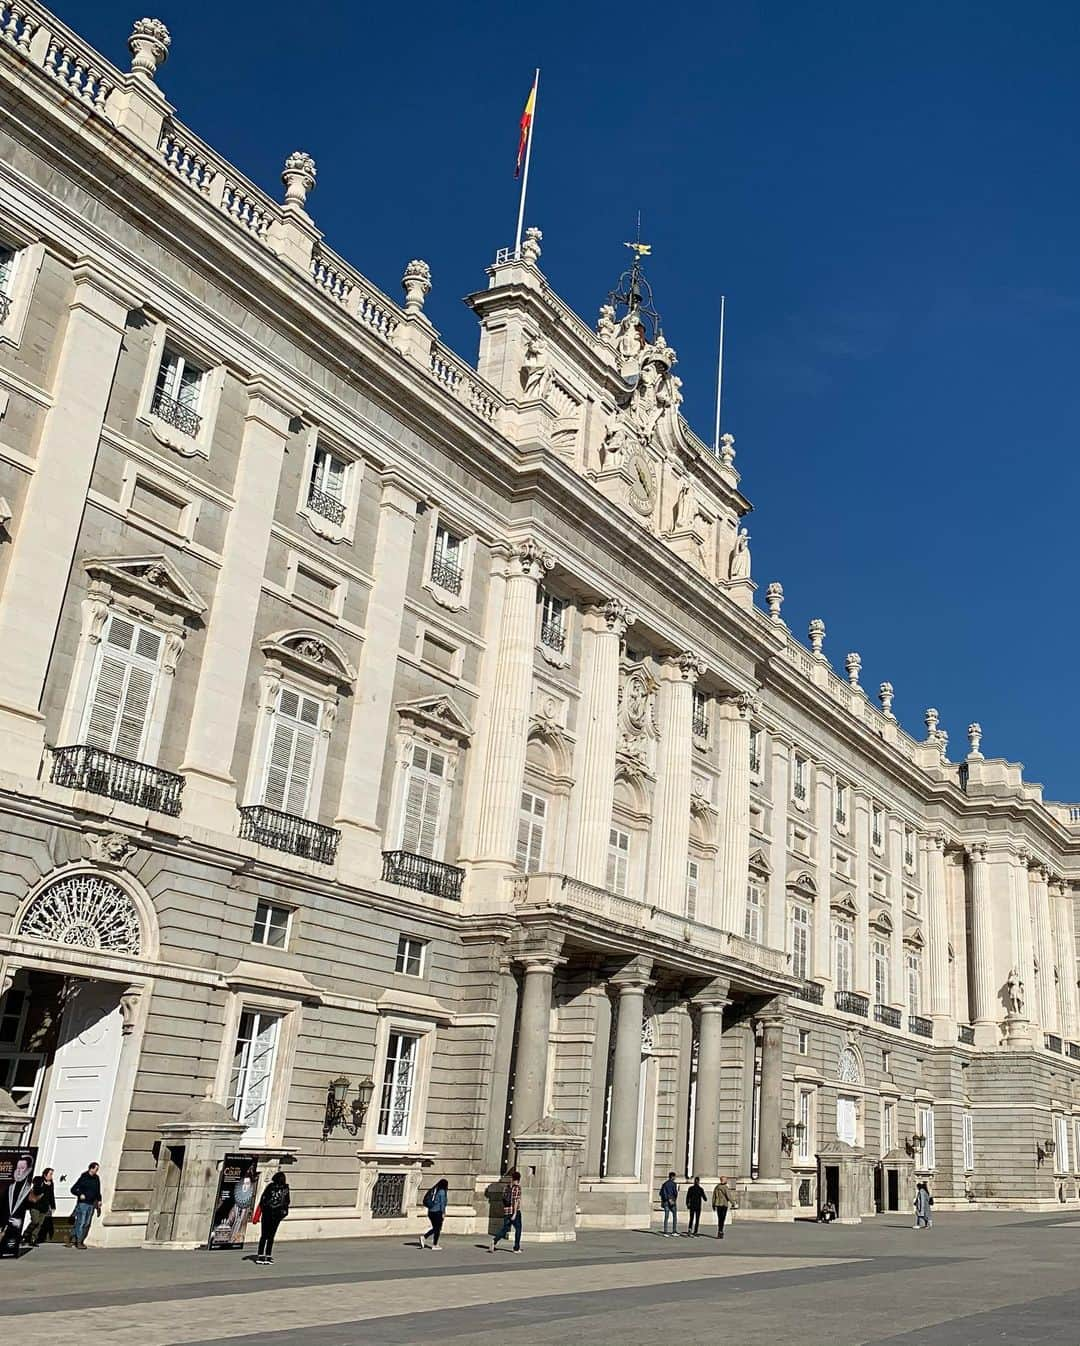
238,1191
16,1176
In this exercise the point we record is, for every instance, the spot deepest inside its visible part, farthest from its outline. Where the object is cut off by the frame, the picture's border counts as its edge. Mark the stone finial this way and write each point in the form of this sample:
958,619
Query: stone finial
974,733
299,176
416,282
149,46
530,248
930,719
816,632
853,664
943,744
727,450
774,598
885,696
605,323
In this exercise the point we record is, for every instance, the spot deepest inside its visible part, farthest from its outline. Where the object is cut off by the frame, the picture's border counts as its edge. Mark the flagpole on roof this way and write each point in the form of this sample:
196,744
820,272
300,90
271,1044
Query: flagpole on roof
528,156
719,378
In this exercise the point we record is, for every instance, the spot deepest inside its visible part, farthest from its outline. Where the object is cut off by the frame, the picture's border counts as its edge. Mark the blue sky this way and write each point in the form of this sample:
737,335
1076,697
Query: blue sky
889,197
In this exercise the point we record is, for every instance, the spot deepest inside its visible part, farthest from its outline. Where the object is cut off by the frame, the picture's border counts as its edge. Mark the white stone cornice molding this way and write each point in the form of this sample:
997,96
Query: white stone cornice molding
530,560
153,579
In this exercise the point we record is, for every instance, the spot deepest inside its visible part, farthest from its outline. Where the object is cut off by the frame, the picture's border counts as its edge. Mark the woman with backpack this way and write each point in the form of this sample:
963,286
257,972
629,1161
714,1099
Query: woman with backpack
273,1208
435,1200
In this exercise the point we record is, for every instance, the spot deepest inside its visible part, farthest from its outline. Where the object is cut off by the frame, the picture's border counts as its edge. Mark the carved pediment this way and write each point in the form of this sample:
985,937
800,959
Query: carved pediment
844,905
759,862
312,654
154,579
803,883
438,715
913,935
881,920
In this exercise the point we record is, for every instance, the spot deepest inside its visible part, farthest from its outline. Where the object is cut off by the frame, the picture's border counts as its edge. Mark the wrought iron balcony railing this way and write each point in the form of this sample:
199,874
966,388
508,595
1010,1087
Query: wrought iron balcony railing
286,832
755,764
104,773
885,1014
841,818
326,505
811,991
423,874
924,1028
177,414
446,574
1052,1042
965,1033
699,727
5,306
851,1002
553,635
800,792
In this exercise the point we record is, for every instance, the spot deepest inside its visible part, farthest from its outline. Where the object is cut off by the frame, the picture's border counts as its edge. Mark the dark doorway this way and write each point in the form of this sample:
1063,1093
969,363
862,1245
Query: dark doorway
879,1204
893,1189
832,1184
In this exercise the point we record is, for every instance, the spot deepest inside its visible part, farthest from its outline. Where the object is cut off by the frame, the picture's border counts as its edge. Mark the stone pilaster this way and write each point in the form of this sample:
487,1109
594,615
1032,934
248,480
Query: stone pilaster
1061,894
938,935
711,1004
357,815
1018,1030
631,984
45,539
684,1036
594,1141
674,778
598,734
534,1030
983,1008
860,831
733,855
824,813
776,910
210,793
494,1132
771,1120
1039,893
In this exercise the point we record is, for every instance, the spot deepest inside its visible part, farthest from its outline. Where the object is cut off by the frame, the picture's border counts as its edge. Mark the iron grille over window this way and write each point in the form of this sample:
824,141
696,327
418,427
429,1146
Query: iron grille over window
553,635
923,1027
850,1002
5,306
885,1014
446,574
175,413
1052,1042
1072,1049
104,773
700,726
426,876
286,832
388,1196
326,505
965,1033
810,990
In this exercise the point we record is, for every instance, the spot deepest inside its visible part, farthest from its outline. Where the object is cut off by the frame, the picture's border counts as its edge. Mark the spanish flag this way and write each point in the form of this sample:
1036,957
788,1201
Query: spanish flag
526,128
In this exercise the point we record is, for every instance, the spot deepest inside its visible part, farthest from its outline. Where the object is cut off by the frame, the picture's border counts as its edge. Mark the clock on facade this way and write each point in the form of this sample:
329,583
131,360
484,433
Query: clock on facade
642,489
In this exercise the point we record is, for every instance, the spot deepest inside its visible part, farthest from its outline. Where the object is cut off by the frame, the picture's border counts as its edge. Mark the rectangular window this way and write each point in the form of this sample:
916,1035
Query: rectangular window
755,752
326,489
693,877
841,814
532,821
909,848
399,1081
121,699
877,824
804,1042
271,925
618,861
926,1129
805,1118
800,942
253,1071
798,788
410,956
178,392
1061,1149
969,1141
914,983
552,622
755,902
7,272
700,720
425,786
447,560
880,958
842,955
886,1061
291,750
888,1128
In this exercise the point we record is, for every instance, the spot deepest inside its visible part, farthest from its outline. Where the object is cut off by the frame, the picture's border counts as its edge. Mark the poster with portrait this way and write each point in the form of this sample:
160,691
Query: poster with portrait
16,1178
238,1191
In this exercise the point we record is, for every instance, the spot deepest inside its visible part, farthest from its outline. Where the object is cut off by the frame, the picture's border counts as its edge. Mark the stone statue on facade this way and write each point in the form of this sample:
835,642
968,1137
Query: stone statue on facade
687,506
739,565
605,323
1014,993
536,367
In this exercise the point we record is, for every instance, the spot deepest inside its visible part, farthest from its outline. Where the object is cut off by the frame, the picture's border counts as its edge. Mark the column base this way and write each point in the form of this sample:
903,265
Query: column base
764,1199
209,801
1019,1034
359,854
986,1033
944,1029
614,1203
22,733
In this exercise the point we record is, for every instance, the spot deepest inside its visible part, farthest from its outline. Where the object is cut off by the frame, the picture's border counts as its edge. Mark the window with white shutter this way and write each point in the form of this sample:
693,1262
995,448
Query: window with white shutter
618,861
179,380
328,474
252,1078
125,679
800,942
969,1141
914,980
532,821
842,955
693,885
291,751
425,789
880,959
755,905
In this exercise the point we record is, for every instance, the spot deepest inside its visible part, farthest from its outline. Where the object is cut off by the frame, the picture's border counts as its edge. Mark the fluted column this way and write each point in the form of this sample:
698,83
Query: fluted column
770,1118
1049,1014
503,767
860,832
733,856
824,813
598,1072
598,736
674,778
534,1030
626,1073
711,1004
684,1036
1061,893
774,932
938,933
1023,933
983,1004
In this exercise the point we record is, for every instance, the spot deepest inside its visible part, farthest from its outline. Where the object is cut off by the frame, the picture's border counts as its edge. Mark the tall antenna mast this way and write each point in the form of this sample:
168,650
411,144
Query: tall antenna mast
719,379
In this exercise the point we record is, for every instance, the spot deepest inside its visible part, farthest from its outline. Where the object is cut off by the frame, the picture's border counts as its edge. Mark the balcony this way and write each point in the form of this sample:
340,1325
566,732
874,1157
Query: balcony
286,832
811,991
800,791
177,414
319,502
965,1033
923,1028
1052,1043
553,636
446,574
755,764
841,818
850,1002
885,1014
423,874
104,773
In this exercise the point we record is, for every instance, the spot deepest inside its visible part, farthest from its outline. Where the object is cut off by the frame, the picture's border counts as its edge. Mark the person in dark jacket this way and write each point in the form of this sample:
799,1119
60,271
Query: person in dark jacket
695,1198
273,1208
435,1201
87,1194
669,1204
42,1204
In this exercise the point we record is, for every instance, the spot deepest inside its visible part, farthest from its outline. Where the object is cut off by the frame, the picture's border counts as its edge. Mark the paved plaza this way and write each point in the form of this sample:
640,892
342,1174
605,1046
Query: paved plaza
971,1279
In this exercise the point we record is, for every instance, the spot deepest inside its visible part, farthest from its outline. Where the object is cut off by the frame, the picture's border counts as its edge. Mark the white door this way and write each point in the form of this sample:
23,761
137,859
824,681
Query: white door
847,1120
81,1086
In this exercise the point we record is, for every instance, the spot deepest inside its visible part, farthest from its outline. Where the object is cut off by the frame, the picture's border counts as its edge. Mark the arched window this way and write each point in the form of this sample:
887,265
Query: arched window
84,911
848,1070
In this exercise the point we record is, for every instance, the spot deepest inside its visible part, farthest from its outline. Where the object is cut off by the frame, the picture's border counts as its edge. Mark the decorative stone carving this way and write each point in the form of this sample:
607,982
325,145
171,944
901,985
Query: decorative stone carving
687,507
533,560
727,450
605,323
816,632
299,176
530,246
149,46
416,282
637,722
1015,998
739,565
749,704
974,733
930,719
653,393
774,600
885,696
617,616
536,367
314,650
84,911
690,665
129,1008
853,665
109,848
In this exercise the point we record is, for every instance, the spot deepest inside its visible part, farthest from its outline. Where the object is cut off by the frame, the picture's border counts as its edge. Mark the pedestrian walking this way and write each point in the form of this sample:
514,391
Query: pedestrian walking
511,1212
87,1194
435,1200
669,1204
923,1203
42,1203
723,1200
272,1209
695,1199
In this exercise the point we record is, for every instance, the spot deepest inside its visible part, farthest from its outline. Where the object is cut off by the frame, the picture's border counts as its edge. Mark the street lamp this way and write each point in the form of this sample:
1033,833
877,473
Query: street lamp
348,1116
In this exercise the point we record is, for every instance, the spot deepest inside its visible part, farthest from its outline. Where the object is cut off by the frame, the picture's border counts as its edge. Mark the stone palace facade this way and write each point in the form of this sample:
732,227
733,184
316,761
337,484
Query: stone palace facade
395,762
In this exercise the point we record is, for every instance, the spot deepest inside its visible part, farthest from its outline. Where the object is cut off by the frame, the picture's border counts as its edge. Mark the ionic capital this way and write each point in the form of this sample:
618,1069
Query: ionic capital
690,665
615,615
530,560
938,841
976,851
745,705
